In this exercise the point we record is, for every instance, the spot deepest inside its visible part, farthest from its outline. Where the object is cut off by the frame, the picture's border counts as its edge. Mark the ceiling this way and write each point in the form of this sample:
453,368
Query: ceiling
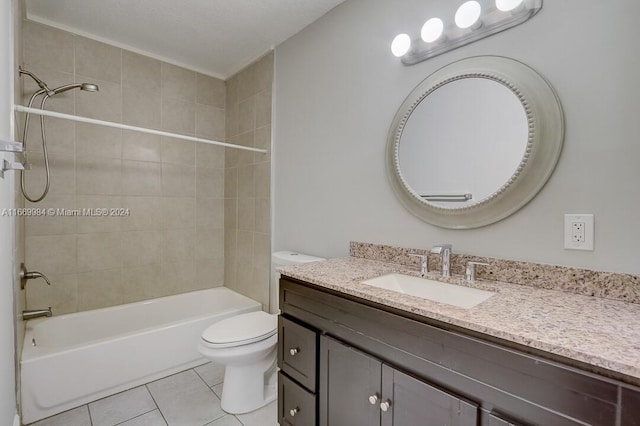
215,37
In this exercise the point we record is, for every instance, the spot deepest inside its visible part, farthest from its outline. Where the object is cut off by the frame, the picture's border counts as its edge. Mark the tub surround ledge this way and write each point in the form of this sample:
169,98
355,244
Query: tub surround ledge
601,334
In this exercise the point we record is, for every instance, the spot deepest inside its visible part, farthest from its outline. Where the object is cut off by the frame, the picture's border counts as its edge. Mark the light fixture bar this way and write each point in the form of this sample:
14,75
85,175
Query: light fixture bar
493,21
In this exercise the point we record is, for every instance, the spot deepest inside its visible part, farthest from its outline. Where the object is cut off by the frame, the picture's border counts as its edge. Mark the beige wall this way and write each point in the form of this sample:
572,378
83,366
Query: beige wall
247,181
173,241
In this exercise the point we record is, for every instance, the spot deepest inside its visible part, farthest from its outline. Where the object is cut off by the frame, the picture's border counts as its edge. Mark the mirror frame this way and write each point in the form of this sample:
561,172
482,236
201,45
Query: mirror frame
544,145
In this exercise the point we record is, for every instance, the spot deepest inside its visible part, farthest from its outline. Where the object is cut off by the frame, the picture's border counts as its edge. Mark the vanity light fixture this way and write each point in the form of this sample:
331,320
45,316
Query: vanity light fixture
473,20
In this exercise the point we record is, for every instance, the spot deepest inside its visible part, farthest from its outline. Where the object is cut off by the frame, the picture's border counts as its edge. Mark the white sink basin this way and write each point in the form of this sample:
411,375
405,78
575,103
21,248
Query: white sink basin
451,294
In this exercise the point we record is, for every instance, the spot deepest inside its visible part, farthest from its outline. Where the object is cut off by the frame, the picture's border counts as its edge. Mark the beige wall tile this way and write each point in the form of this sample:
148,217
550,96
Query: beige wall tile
210,122
90,224
210,91
231,183
231,213
210,244
232,90
141,283
140,248
264,73
209,156
246,186
178,277
140,146
106,104
244,252
61,295
51,224
99,252
178,116
210,183
178,151
262,180
141,71
60,136
141,107
231,120
263,108
262,251
98,176
230,258
63,175
246,214
99,289
178,180
260,286
262,140
47,47
55,254
179,213
263,216
145,214
210,213
98,141
178,245
178,83
98,60
246,83
247,115
232,155
141,178
245,139
209,273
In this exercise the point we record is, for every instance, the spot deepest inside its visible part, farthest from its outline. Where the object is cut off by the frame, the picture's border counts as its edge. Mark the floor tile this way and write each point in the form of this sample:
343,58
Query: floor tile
185,400
217,389
227,420
120,407
265,416
152,418
211,373
76,417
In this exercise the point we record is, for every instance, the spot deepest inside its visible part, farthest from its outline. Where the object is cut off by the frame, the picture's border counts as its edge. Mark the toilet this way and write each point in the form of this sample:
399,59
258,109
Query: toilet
246,345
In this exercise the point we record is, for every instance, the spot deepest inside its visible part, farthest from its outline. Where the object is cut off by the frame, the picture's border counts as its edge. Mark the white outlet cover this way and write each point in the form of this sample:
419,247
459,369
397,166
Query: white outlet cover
569,243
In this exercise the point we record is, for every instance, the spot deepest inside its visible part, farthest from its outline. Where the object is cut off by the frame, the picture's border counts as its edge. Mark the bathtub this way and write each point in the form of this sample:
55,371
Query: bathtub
73,359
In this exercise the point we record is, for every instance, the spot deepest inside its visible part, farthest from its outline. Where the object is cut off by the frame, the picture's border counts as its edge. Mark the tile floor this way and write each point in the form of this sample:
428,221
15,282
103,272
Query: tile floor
189,398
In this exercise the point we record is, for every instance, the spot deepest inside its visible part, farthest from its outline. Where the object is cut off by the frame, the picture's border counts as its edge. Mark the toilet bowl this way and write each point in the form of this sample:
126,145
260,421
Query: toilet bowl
246,345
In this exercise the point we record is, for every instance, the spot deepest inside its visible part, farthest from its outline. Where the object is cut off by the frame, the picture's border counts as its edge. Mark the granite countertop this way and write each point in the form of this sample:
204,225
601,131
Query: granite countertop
600,332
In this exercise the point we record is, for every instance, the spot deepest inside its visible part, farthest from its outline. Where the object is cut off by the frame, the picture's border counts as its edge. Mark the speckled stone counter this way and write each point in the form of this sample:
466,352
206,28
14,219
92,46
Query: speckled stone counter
600,332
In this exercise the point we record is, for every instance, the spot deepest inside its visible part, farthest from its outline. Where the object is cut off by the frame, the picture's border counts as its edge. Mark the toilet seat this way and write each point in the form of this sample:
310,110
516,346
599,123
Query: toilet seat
241,330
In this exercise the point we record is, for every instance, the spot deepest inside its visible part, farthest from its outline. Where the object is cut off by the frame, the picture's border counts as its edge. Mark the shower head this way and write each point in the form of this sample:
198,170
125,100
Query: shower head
88,87
40,83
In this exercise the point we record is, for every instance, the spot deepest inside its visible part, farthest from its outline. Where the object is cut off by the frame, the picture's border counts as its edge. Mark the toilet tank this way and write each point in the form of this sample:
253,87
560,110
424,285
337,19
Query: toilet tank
284,258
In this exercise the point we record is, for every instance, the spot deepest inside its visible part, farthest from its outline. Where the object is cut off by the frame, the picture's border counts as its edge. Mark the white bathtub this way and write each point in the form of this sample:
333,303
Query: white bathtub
81,357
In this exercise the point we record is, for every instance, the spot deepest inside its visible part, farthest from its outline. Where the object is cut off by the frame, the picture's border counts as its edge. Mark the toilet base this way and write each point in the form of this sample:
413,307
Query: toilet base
247,388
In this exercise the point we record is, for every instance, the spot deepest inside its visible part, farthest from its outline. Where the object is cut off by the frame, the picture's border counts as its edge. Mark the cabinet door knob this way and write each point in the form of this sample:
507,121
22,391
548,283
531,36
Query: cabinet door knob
294,351
294,411
373,399
384,405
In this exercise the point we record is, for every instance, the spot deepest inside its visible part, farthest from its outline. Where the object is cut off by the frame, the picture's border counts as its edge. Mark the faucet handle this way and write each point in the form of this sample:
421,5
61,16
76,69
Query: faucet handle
437,249
423,262
470,271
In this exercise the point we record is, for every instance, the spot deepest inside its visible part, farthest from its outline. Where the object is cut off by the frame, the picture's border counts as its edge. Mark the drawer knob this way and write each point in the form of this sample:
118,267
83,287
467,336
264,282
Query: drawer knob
373,399
294,351
294,411
384,405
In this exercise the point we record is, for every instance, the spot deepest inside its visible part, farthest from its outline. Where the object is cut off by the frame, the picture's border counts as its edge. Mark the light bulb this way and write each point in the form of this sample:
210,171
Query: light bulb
508,5
432,30
468,14
400,45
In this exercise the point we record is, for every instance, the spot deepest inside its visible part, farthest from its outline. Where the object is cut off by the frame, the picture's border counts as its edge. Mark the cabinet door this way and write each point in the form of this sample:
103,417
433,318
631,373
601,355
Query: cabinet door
348,378
413,402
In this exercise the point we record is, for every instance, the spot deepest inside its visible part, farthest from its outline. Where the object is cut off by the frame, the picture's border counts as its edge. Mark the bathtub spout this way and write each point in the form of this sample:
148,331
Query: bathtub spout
36,313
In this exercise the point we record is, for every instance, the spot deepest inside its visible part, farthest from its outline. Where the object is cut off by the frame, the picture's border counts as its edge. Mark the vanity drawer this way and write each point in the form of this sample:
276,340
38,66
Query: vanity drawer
296,405
297,352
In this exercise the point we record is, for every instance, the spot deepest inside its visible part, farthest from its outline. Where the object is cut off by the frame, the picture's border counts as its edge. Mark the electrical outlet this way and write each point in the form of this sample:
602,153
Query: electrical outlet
578,232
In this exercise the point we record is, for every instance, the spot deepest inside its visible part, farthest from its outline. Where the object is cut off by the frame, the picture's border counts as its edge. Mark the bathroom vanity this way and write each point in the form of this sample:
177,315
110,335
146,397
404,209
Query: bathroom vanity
350,359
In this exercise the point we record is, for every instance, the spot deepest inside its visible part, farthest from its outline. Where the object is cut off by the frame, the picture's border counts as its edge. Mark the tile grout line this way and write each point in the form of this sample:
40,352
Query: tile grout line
155,402
140,415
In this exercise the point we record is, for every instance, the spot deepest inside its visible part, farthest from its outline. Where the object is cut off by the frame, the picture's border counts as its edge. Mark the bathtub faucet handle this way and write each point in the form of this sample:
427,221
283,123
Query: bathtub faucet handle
24,276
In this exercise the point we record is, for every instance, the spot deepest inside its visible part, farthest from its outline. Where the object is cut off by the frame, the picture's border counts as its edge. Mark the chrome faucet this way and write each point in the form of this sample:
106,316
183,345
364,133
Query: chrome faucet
36,313
24,276
423,263
444,250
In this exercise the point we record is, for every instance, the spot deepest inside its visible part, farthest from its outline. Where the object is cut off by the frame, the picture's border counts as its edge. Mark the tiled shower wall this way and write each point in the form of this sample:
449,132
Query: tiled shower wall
174,239
247,181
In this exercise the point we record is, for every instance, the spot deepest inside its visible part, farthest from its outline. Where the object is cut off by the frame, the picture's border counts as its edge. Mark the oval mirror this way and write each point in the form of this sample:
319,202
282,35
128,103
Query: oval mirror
474,142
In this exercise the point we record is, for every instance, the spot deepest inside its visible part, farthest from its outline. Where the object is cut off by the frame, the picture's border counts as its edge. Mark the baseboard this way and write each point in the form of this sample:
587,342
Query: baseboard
16,420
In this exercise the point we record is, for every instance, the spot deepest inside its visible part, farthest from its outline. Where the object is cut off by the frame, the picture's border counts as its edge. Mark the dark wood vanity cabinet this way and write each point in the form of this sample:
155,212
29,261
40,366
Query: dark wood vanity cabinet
360,363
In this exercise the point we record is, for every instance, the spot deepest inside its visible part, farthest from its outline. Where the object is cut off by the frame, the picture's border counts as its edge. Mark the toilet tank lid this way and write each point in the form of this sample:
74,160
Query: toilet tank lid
284,258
